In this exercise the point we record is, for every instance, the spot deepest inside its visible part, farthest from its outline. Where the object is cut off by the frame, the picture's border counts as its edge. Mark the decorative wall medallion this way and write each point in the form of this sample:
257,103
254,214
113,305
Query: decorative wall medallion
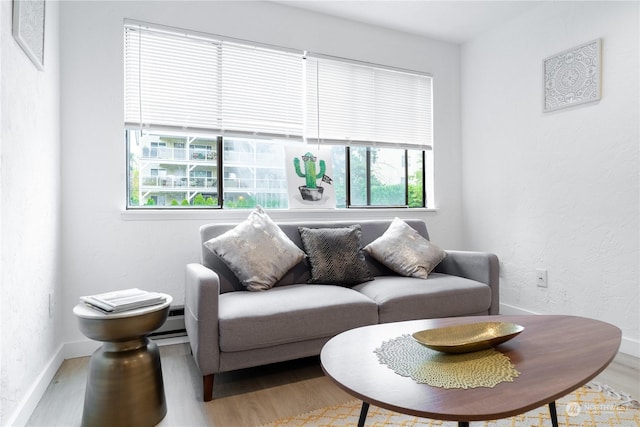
28,28
572,77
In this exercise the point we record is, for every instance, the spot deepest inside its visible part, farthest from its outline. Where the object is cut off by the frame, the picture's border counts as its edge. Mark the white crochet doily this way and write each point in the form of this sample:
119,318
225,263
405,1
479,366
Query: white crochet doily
408,358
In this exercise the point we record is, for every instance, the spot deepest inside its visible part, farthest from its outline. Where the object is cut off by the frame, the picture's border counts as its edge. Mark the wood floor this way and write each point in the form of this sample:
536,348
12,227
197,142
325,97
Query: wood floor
249,397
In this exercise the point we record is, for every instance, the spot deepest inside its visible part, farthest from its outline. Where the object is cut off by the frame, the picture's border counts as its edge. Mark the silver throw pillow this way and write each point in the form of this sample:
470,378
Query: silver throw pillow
257,251
405,251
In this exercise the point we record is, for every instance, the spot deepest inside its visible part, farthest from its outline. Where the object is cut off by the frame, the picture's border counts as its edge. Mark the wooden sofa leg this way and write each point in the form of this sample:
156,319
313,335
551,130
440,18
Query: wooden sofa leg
207,387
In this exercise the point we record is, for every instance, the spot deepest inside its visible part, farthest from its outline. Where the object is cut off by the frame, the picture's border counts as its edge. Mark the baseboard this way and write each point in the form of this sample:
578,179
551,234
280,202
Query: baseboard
514,311
628,346
28,404
80,348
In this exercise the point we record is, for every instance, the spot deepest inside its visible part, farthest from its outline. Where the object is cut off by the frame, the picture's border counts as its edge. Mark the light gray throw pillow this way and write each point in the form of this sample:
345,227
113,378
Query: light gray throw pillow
257,251
405,251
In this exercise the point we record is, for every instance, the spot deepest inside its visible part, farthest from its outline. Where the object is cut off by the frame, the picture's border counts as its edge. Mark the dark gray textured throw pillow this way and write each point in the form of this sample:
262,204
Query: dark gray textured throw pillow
335,255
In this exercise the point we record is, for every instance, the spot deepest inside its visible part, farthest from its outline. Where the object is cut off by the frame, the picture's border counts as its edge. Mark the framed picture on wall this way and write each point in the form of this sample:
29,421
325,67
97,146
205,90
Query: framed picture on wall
573,77
28,29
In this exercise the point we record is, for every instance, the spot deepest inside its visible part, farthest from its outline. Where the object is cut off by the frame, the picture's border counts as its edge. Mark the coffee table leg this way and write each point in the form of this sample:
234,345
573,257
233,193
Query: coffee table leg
553,413
463,423
363,414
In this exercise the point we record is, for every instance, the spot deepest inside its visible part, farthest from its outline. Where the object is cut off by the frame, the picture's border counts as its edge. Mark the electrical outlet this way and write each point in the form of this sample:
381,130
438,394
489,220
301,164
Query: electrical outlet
541,278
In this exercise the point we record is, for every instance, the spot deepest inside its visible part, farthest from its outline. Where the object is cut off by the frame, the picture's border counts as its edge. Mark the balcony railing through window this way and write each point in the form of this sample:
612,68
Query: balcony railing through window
256,185
151,181
179,154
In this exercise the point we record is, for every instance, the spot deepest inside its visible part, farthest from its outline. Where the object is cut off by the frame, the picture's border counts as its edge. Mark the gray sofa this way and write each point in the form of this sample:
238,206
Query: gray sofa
230,328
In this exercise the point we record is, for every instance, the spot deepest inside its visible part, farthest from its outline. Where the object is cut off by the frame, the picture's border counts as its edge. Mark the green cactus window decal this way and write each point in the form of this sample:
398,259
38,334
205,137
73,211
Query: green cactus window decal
314,170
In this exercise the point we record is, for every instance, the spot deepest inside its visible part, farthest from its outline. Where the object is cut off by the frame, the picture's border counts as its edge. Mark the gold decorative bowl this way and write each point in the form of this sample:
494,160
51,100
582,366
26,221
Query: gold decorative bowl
467,338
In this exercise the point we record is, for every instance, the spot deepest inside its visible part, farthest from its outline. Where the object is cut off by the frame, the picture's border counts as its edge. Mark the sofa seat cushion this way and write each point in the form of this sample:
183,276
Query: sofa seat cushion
285,314
441,295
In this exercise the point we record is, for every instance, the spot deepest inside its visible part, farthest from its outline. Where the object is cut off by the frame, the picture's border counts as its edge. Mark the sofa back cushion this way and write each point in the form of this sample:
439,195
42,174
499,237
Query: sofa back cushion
371,230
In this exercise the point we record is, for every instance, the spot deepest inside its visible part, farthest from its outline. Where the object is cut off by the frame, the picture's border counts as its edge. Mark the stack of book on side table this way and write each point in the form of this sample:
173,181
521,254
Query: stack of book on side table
120,301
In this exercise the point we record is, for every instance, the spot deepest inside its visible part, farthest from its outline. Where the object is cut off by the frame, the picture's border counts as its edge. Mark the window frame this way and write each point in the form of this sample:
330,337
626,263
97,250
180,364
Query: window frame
368,186
220,135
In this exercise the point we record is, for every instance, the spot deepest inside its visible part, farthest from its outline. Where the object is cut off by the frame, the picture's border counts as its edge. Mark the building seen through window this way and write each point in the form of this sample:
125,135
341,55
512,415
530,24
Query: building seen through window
169,171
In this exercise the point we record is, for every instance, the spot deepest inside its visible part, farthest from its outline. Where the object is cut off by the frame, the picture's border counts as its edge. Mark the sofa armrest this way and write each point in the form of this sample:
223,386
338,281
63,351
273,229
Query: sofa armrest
479,266
202,289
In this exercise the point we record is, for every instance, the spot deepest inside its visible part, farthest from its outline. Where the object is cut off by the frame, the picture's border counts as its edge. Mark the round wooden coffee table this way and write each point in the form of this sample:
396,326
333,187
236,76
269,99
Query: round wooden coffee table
554,354
124,384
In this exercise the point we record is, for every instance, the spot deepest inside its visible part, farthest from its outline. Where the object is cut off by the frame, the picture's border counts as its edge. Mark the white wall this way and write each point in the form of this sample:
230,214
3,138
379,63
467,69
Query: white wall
102,250
557,191
30,214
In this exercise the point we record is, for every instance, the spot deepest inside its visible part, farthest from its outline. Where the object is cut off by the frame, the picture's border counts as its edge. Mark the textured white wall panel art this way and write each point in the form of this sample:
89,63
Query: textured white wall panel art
28,28
572,77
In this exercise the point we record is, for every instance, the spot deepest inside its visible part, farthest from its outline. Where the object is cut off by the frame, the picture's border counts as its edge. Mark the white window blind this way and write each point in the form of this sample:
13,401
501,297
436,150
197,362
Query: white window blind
177,80
170,79
350,103
187,81
261,90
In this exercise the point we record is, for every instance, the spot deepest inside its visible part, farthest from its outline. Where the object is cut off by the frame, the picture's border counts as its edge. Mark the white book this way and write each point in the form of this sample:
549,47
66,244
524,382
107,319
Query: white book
118,301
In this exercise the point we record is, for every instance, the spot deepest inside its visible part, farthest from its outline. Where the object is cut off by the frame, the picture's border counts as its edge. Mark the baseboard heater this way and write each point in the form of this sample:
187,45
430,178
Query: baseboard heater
174,326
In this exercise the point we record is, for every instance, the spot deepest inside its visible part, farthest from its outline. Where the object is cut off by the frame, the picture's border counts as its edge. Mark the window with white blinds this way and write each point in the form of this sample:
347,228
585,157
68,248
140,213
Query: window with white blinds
349,103
179,80
186,81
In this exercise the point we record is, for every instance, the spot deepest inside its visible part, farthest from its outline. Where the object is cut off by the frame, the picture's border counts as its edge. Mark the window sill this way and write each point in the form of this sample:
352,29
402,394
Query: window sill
237,215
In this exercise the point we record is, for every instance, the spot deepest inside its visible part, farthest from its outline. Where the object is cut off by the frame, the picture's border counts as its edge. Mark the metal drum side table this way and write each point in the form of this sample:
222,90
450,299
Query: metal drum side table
124,384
